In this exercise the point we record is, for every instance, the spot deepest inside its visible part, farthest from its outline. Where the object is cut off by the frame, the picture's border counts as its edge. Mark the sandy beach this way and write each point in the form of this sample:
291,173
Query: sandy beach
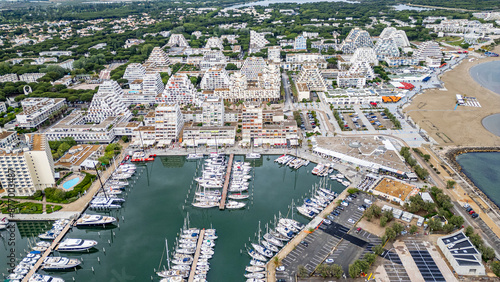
434,110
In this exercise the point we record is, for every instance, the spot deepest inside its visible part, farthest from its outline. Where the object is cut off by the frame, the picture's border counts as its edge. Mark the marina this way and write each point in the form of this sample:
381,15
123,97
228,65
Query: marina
222,203
166,183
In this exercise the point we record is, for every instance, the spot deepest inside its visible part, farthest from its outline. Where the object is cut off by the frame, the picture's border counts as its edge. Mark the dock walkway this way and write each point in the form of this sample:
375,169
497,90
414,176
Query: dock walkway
222,203
48,251
196,255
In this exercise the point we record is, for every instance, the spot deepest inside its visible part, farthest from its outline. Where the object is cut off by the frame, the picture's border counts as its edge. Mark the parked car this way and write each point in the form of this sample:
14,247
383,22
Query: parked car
350,220
280,268
326,221
304,243
329,260
474,215
358,230
472,211
468,209
466,206
354,196
344,203
361,208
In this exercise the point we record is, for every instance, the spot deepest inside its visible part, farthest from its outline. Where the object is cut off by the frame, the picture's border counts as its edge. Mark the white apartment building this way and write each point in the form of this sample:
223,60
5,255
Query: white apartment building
10,77
294,61
386,47
231,38
177,40
168,123
398,36
55,53
252,67
158,59
310,75
279,132
152,86
362,68
274,54
215,78
300,43
257,41
3,107
355,39
134,72
38,110
24,171
347,80
107,102
401,61
8,140
213,112
179,90
433,62
214,42
75,126
341,97
365,54
194,136
213,58
428,49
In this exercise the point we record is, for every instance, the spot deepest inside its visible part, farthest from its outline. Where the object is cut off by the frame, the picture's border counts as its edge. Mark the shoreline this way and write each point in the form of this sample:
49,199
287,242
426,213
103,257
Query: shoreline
476,80
451,156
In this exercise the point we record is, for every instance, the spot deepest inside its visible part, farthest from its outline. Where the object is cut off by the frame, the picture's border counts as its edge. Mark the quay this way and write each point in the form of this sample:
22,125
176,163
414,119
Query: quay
49,250
196,255
222,203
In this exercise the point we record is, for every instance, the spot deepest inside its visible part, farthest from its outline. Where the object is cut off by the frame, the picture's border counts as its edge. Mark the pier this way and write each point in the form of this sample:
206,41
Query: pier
48,251
196,255
222,203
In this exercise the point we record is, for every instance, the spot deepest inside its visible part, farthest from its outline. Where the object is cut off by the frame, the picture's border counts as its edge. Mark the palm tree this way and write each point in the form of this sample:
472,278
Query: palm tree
277,262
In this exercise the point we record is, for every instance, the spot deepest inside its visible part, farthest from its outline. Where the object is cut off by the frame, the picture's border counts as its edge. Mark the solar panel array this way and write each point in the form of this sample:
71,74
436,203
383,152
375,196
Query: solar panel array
427,266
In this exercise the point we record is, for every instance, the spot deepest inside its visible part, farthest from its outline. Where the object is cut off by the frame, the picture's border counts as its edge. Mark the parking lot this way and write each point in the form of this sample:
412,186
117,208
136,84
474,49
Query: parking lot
324,242
379,120
353,121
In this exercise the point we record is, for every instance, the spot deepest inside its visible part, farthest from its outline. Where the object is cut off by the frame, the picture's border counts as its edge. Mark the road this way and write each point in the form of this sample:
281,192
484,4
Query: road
288,96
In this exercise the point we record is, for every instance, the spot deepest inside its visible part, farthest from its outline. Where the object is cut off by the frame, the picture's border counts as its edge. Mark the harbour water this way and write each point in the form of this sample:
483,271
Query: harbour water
156,206
482,169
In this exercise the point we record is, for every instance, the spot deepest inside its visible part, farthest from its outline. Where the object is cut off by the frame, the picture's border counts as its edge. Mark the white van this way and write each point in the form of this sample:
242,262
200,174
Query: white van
368,202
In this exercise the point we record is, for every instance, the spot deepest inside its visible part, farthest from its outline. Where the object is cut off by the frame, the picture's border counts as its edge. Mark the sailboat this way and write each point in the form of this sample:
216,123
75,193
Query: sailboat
171,272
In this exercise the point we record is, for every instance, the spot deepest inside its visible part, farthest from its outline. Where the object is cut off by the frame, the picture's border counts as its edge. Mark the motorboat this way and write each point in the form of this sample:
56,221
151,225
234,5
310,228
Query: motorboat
238,189
41,246
59,263
305,211
235,205
253,156
15,277
194,156
279,236
76,245
253,268
186,251
94,219
49,235
255,280
44,278
181,267
4,222
205,204
183,261
285,232
173,279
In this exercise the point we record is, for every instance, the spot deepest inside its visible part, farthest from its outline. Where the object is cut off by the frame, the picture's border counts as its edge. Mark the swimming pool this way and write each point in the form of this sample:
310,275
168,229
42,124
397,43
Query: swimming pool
70,183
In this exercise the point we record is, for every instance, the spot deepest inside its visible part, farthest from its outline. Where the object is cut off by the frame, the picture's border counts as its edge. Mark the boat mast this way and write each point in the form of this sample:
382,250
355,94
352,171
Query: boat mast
168,257
259,233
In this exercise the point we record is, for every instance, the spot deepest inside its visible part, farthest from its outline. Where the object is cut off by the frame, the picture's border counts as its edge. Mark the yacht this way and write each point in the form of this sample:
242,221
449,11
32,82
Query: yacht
258,275
183,261
269,246
205,204
171,273
256,255
270,238
263,251
94,219
252,156
305,211
257,263
235,205
173,279
76,245
44,278
194,156
238,196
59,263
254,268
41,246
49,235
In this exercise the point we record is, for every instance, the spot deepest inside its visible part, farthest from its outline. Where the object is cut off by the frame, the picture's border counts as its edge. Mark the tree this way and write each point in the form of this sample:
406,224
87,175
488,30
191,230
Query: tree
276,262
495,267
397,227
450,184
390,233
448,227
302,272
457,220
413,229
435,224
378,249
324,270
231,66
469,231
337,271
370,257
383,221
363,265
125,138
487,253
354,270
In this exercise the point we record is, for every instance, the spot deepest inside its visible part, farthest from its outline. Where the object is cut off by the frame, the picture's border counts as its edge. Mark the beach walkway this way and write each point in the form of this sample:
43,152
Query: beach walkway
222,203
196,255
48,251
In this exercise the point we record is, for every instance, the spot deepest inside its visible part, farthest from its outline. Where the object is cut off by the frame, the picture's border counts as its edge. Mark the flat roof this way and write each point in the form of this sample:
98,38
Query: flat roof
77,154
395,188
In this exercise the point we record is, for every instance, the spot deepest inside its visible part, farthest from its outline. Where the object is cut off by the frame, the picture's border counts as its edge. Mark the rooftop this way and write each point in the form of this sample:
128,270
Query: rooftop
395,188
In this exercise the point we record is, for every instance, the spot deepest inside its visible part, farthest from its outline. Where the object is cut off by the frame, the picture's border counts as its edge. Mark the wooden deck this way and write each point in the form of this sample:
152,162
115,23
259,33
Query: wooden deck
196,255
222,203
48,251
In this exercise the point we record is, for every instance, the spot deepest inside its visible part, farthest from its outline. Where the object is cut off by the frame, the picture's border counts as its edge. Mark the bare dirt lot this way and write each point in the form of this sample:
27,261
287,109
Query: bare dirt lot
434,110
